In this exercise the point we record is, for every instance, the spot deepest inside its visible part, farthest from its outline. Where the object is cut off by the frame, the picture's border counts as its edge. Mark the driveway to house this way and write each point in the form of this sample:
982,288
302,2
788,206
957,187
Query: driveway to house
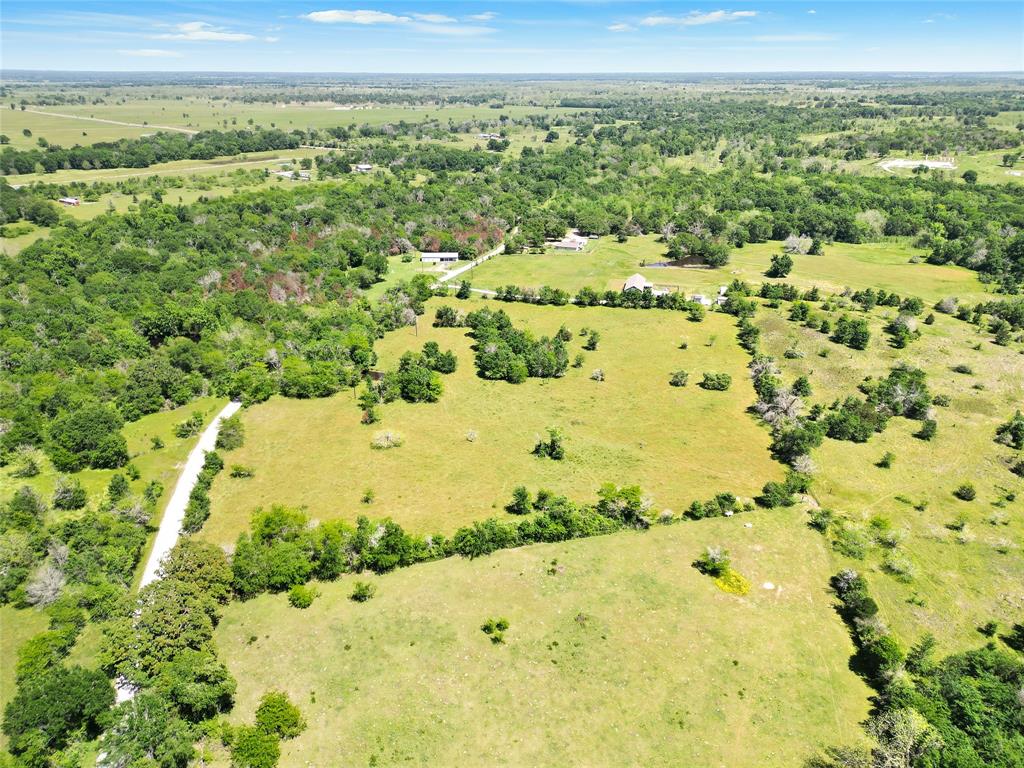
453,273
174,514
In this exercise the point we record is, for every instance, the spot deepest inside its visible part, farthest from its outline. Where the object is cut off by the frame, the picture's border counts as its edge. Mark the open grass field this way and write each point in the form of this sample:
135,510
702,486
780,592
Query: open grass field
625,655
679,444
251,161
964,578
606,264
988,166
64,125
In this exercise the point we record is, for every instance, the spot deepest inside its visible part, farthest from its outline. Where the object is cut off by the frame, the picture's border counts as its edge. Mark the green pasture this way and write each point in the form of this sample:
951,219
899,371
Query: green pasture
618,653
606,263
679,444
963,577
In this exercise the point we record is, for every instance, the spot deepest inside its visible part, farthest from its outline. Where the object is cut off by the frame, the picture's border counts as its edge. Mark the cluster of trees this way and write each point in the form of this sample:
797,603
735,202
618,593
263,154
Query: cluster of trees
506,353
958,711
198,507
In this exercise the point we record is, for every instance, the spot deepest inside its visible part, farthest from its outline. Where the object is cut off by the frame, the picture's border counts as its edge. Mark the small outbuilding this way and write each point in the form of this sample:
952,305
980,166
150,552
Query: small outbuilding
571,242
69,201
363,167
443,257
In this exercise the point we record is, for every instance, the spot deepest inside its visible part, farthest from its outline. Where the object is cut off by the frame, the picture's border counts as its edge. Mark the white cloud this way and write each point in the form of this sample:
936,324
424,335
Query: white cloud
271,39
485,16
812,11
150,53
200,30
355,17
427,23
807,38
696,18
433,18
451,30
621,27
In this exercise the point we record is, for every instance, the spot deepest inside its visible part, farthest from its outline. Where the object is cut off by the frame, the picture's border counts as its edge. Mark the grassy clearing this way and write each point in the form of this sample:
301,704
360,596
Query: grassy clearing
619,653
204,114
962,578
251,161
988,166
606,264
16,626
679,444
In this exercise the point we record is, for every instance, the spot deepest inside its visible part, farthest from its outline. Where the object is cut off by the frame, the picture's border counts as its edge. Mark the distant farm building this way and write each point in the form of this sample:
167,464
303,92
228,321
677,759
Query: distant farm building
571,242
302,175
363,167
638,282
700,298
488,135
444,257
69,201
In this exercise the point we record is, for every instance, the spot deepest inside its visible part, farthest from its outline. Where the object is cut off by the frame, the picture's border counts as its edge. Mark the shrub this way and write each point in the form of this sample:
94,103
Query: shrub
253,747
302,596
965,492
886,461
277,715
386,439
597,375
714,561
231,434
242,471
156,443
592,341
963,368
1012,432
362,591
495,629
781,265
679,378
69,494
716,382
928,429
190,426
521,502
553,447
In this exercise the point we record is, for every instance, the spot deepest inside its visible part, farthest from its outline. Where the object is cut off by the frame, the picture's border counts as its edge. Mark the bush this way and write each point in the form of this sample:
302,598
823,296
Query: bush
495,629
679,378
553,447
382,441
965,492
277,715
521,502
362,591
253,747
592,341
1012,432
241,471
190,426
716,381
231,434
714,561
302,596
886,461
597,375
928,429
69,494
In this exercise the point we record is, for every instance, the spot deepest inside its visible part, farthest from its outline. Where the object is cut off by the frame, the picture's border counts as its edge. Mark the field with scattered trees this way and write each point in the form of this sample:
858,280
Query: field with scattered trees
764,508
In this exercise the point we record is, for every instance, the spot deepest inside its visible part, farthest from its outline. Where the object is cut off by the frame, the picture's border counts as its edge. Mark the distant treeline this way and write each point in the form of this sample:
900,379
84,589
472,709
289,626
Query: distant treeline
141,153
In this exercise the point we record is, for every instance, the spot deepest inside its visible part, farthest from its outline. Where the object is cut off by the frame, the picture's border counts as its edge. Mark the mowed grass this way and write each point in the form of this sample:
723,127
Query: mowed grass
678,444
623,655
606,264
963,578
16,626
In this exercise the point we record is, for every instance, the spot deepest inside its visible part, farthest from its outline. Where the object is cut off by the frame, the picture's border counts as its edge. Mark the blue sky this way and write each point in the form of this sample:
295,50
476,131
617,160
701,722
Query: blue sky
511,36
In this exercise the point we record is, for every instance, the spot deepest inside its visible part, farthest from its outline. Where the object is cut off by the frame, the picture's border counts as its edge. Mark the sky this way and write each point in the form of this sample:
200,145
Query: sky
511,36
